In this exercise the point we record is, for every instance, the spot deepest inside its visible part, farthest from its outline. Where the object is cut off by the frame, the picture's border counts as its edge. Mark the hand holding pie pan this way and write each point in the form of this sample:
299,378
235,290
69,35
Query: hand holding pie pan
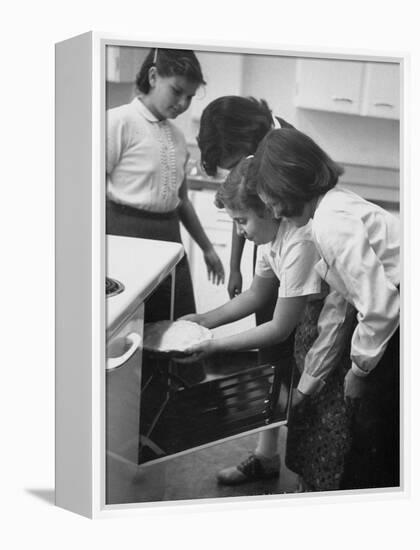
173,338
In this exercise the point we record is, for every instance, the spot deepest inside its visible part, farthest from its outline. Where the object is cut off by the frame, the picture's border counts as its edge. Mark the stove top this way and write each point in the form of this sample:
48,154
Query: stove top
113,287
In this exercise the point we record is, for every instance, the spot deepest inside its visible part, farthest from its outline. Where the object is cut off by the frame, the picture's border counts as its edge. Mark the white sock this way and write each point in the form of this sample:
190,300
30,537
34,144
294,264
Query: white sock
267,446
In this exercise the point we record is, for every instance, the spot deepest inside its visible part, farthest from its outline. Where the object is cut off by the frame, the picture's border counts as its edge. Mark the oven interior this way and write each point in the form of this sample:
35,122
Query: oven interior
236,396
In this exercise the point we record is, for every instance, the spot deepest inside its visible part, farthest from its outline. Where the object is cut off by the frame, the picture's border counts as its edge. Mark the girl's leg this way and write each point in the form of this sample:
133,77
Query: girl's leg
267,445
263,463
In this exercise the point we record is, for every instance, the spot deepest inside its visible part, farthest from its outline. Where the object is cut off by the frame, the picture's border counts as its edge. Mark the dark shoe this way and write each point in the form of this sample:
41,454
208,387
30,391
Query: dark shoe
252,468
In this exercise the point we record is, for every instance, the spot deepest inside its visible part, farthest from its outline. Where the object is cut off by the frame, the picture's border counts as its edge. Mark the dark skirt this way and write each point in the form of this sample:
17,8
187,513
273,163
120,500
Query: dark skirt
319,429
374,459
131,222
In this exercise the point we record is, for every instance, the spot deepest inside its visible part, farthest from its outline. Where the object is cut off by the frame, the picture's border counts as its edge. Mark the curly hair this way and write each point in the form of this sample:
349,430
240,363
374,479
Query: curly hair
238,191
169,62
292,169
231,126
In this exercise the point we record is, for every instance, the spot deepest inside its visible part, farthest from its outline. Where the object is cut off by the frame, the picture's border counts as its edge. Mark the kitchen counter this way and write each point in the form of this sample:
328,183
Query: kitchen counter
140,265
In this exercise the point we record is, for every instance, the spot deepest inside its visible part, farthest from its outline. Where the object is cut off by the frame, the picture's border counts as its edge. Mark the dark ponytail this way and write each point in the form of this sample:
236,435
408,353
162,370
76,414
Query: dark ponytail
169,62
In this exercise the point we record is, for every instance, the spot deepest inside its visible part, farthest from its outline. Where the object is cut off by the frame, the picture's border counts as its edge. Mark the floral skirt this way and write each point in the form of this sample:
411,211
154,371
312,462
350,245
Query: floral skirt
319,436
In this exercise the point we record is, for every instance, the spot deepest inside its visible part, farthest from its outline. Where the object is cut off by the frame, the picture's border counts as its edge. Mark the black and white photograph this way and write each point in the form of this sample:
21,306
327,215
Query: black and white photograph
253,273
210,275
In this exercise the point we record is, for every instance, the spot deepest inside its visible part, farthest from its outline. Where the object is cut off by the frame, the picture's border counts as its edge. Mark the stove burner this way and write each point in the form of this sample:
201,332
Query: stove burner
113,287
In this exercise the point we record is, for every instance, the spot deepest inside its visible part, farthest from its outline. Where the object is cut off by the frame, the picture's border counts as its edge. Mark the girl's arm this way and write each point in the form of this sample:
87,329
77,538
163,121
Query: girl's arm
243,305
235,276
286,316
193,225
374,296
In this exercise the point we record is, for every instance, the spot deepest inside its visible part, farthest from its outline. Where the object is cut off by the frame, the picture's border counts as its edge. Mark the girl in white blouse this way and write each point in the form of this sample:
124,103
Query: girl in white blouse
286,260
358,243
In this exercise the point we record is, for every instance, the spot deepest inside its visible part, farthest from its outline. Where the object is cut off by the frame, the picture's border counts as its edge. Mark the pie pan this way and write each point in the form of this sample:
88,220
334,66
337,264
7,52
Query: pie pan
173,337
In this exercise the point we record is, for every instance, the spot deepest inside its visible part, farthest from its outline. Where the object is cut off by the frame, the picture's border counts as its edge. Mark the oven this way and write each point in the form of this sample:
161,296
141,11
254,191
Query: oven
153,412
237,396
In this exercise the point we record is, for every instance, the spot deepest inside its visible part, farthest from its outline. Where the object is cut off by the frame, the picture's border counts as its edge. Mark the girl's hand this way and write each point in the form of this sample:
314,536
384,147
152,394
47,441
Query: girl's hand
215,270
234,284
297,397
198,352
354,388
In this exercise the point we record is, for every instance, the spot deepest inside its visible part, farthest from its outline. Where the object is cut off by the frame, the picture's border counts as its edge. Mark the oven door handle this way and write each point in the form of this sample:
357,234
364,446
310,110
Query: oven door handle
115,362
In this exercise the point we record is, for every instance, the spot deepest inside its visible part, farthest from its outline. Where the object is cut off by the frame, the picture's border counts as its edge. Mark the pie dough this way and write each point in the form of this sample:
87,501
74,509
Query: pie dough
173,336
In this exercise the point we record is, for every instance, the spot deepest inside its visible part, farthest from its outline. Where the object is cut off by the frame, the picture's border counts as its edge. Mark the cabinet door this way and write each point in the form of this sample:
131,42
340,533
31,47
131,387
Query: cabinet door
327,85
382,90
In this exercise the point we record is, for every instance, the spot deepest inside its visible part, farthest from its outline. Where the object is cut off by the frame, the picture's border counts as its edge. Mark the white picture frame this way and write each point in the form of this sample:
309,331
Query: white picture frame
81,251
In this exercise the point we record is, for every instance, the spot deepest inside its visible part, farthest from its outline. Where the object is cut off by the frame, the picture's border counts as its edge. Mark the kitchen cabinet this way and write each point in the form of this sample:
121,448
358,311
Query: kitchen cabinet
329,85
218,227
382,90
349,87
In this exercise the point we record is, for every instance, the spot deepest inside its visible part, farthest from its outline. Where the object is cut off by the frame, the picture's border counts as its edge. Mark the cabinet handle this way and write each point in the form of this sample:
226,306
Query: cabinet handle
342,99
383,104
220,245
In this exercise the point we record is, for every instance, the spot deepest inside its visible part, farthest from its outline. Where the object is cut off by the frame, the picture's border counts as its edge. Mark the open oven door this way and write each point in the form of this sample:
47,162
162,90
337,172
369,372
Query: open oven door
177,417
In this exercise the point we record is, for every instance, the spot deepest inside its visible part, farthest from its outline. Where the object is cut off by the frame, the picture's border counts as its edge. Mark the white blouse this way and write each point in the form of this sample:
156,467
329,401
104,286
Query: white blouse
145,158
359,247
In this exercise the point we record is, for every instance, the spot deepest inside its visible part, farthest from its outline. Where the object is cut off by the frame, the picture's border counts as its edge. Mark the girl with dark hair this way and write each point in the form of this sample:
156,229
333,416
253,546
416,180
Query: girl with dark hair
146,168
231,127
286,255
358,243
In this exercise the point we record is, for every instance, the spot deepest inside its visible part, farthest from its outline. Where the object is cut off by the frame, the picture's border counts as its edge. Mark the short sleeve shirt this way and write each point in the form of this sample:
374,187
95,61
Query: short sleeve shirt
145,158
291,257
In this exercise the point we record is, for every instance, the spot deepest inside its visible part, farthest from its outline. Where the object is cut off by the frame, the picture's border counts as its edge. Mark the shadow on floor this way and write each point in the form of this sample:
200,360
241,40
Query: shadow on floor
47,495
